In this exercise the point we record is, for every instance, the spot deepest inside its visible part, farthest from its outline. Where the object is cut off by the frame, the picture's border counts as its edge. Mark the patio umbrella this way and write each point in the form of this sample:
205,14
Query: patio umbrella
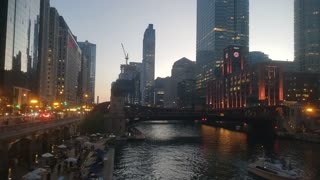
93,135
62,146
79,138
98,134
71,159
39,171
31,176
47,155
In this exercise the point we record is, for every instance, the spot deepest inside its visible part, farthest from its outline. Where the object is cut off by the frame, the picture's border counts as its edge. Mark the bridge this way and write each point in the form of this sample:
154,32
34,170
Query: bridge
26,141
255,119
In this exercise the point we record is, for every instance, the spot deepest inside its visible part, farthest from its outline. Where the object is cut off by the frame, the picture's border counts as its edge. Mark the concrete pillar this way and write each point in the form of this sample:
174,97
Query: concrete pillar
4,163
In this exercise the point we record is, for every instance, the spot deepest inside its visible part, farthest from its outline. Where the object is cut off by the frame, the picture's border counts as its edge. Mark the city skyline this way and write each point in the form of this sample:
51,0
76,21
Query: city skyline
182,35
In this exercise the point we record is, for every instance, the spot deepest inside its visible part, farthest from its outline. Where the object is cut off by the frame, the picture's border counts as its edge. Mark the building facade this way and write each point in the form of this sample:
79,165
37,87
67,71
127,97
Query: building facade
48,71
88,51
306,35
181,70
302,87
240,86
162,92
220,23
20,40
148,65
186,94
68,66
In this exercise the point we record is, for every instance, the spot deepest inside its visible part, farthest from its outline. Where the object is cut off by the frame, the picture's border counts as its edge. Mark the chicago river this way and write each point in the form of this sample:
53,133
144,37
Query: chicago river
177,150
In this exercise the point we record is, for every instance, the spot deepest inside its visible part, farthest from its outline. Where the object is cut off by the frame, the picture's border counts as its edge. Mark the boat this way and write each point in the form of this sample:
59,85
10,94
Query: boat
274,170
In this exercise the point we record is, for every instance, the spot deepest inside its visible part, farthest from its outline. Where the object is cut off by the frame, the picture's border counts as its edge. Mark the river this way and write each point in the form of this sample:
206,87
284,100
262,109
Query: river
175,150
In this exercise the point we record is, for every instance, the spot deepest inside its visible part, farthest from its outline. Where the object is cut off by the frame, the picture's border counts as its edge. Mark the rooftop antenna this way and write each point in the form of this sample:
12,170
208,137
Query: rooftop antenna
126,55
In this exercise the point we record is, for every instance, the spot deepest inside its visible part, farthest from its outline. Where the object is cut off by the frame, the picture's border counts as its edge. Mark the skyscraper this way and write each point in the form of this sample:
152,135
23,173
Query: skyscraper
220,23
47,91
89,52
20,38
147,78
68,65
307,35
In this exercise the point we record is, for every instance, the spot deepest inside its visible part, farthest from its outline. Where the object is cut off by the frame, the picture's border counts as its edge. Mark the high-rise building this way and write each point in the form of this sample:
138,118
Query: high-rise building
20,51
47,91
147,78
68,65
89,52
182,69
220,23
306,35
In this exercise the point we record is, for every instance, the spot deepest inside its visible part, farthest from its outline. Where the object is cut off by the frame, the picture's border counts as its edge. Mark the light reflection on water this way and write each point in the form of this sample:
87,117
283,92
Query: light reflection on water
194,151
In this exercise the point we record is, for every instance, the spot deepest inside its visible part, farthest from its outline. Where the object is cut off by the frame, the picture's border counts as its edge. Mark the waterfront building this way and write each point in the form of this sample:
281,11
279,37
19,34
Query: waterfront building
162,92
306,35
182,69
148,65
239,86
186,94
22,48
220,23
302,87
88,68
68,65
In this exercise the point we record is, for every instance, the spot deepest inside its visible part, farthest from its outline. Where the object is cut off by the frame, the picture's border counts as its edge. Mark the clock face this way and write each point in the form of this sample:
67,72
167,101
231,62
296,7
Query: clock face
236,54
227,55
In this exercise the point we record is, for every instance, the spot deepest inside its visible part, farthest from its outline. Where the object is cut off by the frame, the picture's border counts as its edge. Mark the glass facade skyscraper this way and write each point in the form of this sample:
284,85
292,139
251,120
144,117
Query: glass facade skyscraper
220,23
19,50
147,78
307,35
89,52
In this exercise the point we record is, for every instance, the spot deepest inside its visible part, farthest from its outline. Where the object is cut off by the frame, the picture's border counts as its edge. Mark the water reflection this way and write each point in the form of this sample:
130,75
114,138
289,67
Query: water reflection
194,151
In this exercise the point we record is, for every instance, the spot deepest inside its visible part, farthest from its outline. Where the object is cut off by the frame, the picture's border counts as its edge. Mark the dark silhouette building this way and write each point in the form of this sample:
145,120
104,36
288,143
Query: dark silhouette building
147,76
307,35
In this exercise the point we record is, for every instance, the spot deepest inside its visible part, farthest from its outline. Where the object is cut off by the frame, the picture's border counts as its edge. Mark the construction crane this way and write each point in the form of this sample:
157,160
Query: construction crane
126,55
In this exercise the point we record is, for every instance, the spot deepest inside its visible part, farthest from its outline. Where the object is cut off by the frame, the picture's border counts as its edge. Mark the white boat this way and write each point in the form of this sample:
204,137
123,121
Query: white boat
273,170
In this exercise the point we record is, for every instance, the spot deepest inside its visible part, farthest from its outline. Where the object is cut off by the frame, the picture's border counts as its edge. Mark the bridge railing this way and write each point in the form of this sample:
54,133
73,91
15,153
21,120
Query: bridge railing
15,127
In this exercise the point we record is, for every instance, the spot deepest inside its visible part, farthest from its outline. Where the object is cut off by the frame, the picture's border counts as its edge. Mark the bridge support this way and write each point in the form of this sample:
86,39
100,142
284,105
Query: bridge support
4,163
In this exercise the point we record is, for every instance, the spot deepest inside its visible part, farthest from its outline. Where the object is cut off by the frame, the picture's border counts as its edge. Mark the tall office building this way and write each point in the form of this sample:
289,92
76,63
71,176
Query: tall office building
47,91
147,78
89,53
68,65
20,50
220,23
307,35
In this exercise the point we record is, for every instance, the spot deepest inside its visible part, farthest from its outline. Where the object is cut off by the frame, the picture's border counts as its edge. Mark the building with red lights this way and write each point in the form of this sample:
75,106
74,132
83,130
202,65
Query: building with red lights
241,86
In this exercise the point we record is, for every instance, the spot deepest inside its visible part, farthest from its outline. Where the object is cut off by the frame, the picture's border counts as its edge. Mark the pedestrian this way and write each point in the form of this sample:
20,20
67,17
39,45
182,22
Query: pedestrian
59,167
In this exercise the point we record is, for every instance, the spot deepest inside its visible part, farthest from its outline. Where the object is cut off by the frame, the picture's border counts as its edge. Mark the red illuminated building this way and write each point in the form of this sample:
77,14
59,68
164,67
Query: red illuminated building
241,86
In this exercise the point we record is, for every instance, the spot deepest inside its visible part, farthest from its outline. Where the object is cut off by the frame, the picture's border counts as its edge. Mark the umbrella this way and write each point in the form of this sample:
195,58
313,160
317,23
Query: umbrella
47,155
71,159
79,138
39,171
98,134
62,146
31,176
93,135
88,143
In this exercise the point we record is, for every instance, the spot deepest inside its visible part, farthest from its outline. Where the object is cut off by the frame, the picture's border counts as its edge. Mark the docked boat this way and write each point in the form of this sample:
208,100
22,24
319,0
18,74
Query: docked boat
274,170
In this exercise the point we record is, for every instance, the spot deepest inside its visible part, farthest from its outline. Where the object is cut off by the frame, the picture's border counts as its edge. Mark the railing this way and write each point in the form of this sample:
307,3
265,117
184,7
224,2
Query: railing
25,128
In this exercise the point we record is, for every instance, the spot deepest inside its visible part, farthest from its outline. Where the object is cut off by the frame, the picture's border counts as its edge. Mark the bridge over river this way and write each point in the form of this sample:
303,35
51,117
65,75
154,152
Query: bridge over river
30,139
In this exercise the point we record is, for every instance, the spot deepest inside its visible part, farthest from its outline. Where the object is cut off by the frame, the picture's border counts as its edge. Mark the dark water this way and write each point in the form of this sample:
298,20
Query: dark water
194,151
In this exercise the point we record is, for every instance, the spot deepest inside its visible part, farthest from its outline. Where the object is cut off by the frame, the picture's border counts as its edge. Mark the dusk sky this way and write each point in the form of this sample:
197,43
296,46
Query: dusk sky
108,23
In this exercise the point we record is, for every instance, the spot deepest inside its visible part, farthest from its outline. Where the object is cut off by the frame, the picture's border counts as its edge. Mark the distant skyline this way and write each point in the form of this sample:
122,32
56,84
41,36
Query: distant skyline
108,23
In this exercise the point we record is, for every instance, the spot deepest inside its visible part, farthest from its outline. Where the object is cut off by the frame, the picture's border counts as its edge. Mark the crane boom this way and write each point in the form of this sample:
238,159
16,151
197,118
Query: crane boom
126,55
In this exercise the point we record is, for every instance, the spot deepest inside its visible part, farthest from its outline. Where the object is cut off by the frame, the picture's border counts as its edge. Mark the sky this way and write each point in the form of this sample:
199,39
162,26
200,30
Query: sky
108,23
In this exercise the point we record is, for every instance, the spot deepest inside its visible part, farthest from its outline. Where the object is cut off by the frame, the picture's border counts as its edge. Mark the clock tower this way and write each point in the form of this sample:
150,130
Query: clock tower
234,61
